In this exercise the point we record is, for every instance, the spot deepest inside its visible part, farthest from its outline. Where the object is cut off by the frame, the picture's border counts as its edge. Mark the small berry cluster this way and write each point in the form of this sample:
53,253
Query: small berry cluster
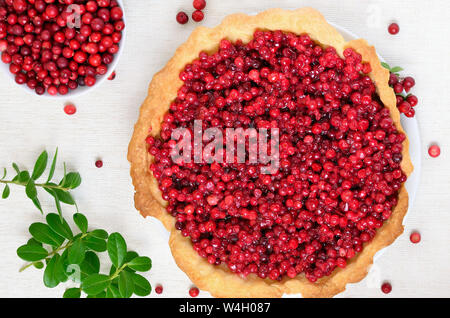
405,104
197,15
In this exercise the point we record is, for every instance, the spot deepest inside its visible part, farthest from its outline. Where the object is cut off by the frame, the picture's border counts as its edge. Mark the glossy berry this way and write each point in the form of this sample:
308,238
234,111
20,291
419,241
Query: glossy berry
415,237
434,151
199,4
112,76
393,28
70,109
182,18
386,288
159,289
193,292
99,163
197,15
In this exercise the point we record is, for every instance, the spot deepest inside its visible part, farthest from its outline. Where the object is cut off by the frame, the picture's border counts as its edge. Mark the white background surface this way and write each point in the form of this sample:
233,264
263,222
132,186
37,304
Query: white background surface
104,122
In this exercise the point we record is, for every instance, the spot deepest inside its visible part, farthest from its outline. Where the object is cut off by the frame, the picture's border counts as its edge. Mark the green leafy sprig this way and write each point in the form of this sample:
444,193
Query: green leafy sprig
69,257
396,69
66,256
59,191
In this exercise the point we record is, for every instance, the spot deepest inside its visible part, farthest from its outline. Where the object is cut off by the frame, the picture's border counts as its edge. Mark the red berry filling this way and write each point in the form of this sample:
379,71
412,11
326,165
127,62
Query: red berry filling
340,155
56,46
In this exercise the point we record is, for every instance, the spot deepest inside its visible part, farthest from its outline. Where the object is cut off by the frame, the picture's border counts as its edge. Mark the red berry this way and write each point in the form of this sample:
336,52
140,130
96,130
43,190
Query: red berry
386,288
197,16
415,237
393,28
70,109
159,289
193,292
199,4
398,88
182,18
412,100
112,76
434,151
408,83
99,163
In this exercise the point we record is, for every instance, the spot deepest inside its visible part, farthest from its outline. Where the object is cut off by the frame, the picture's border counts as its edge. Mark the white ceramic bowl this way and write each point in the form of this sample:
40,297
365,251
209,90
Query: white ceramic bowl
81,90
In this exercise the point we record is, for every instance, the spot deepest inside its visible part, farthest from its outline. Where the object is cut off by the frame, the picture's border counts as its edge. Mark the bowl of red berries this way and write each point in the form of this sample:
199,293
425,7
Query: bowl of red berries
60,48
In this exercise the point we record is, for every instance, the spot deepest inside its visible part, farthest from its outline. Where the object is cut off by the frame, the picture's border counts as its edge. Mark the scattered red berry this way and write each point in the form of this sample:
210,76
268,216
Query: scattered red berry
386,288
393,28
412,100
99,163
199,4
182,18
434,151
197,16
70,109
408,83
415,237
159,289
49,55
193,292
112,76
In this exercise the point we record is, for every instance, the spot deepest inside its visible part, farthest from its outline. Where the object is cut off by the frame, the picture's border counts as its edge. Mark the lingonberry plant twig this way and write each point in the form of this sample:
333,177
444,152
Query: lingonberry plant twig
60,192
66,256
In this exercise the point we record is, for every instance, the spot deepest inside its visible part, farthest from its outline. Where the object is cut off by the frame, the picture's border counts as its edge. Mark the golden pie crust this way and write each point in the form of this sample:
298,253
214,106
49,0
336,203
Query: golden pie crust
219,280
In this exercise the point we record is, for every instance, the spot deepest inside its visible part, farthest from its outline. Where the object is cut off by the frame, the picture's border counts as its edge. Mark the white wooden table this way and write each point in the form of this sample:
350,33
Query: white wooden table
104,122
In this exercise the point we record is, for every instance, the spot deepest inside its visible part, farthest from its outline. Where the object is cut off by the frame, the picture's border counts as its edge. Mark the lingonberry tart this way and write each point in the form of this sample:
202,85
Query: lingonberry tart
312,225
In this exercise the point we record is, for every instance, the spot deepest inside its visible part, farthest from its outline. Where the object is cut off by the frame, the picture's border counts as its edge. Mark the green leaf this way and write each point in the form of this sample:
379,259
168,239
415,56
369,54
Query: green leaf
117,249
30,189
24,176
60,268
126,284
63,196
40,165
91,264
100,295
71,181
37,204
76,252
50,278
95,244
95,284
39,265
58,205
6,192
4,174
386,65
81,221
32,253
142,286
61,227
113,292
140,264
72,293
32,241
396,69
53,166
44,234
100,234
16,167
130,256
